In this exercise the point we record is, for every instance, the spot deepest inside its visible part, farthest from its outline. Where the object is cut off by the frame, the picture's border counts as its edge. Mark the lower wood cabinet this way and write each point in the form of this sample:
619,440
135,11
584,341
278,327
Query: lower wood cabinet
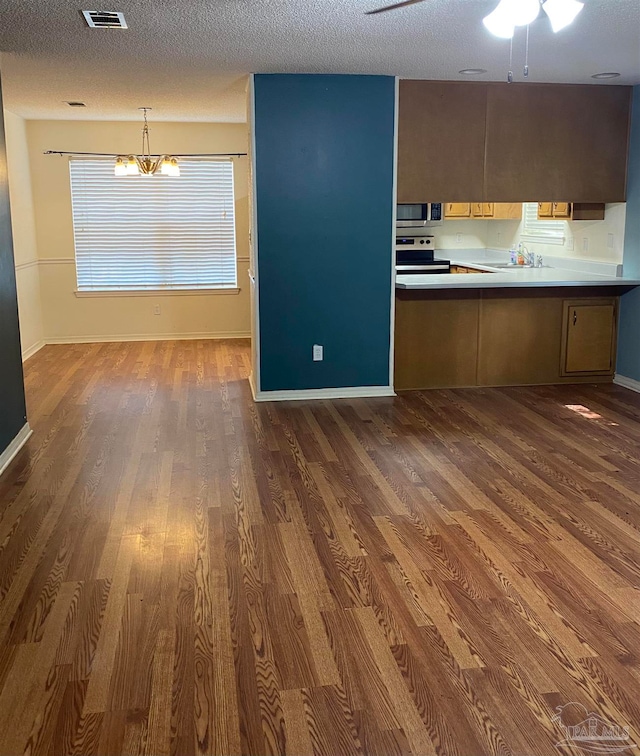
492,337
588,337
436,340
465,269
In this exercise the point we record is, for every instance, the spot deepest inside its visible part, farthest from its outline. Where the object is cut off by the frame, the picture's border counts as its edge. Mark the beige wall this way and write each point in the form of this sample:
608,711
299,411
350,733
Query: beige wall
24,235
68,317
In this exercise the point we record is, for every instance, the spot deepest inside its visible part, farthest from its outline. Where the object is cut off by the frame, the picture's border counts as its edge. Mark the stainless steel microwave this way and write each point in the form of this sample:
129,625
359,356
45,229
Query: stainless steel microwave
416,214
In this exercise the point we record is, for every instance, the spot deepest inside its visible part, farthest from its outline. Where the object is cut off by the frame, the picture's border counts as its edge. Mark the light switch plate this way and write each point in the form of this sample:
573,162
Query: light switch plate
318,352
570,244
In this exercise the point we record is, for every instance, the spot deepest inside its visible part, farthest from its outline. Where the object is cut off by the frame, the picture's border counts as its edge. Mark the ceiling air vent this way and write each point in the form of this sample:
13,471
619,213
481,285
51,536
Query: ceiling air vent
105,19
75,104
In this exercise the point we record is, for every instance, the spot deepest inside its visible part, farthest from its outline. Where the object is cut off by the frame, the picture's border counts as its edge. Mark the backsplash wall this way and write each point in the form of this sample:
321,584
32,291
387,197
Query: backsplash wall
503,234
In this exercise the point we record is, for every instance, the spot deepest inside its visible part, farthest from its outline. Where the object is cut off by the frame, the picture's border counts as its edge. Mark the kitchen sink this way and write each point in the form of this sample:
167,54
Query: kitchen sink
509,266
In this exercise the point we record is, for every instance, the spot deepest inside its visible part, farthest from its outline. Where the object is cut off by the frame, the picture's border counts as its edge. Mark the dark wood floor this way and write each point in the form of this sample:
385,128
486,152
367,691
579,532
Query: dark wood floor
183,571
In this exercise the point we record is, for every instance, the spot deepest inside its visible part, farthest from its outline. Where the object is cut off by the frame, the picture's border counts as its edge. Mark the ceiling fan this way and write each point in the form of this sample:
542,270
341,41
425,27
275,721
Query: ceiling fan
511,13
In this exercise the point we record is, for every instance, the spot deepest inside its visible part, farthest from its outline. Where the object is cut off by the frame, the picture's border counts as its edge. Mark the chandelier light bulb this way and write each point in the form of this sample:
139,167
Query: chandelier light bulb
165,166
132,166
174,168
120,169
562,12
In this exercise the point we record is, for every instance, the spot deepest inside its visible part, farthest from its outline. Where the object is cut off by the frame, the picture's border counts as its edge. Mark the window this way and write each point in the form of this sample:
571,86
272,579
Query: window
154,232
546,231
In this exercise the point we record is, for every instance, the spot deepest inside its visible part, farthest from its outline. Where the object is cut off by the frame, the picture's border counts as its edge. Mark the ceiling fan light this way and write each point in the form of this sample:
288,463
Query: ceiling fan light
120,168
521,12
499,23
562,12
132,166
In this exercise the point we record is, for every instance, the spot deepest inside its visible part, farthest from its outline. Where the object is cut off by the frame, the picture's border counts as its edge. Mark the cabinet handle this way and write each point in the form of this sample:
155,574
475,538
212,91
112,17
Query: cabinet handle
575,317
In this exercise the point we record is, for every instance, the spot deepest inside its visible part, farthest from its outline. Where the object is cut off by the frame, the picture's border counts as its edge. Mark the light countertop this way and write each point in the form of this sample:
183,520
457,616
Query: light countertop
500,278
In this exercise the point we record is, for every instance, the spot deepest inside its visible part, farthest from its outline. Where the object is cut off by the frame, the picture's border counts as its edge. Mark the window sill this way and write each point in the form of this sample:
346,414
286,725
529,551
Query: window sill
533,238
154,292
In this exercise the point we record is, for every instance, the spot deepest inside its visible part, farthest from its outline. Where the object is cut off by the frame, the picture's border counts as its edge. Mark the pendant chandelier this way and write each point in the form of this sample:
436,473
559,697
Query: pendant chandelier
146,164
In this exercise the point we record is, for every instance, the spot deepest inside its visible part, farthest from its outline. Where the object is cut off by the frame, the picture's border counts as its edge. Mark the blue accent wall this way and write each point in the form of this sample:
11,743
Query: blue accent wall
628,363
12,404
324,181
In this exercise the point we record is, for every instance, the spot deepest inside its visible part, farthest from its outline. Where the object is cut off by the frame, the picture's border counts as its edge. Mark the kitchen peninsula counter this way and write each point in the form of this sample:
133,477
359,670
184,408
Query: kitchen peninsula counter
515,328
511,278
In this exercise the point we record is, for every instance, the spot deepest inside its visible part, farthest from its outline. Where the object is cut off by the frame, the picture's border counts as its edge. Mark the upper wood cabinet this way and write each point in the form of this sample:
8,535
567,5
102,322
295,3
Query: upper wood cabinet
559,141
507,210
494,210
457,210
493,142
482,210
441,141
572,210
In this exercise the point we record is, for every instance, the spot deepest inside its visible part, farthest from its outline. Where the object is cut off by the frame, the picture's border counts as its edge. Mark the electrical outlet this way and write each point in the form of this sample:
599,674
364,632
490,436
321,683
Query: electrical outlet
570,244
156,309
585,244
610,241
458,238
318,352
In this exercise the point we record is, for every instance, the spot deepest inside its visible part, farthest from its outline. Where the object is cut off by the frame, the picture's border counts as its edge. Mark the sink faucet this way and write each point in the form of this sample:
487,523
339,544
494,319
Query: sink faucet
529,257
539,261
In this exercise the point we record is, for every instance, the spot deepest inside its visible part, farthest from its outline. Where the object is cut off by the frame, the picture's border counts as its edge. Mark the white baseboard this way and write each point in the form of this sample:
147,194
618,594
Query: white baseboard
30,351
146,337
347,392
252,385
622,380
14,447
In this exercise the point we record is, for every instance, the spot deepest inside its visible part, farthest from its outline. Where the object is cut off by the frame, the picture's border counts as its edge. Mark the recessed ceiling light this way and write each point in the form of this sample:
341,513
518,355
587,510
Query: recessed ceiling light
472,71
606,75
75,104
105,19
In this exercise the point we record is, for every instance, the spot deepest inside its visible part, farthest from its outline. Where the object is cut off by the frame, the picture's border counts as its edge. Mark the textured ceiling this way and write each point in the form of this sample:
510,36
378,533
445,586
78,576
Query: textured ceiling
188,59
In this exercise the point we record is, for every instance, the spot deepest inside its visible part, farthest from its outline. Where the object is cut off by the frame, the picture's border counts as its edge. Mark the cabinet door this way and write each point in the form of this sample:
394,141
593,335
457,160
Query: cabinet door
545,209
556,140
441,130
589,337
482,210
457,210
562,210
507,210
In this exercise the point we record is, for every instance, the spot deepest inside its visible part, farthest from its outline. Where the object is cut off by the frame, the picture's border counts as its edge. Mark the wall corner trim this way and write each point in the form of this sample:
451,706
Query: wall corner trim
629,383
347,392
30,351
252,385
14,447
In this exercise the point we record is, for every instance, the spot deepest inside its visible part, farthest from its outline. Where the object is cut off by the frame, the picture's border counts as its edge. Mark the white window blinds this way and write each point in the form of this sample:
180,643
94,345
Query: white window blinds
154,232
547,231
